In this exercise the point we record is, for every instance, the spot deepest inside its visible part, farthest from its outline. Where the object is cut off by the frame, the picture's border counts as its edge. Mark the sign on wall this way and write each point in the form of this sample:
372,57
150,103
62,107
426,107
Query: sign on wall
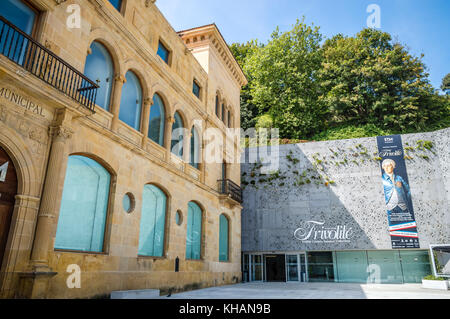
397,194
318,232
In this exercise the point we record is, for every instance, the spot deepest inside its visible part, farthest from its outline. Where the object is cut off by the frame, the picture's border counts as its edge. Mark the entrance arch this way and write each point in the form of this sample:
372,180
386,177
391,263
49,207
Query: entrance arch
8,191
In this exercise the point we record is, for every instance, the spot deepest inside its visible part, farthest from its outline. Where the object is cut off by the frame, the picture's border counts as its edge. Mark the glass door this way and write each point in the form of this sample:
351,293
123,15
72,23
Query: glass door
292,271
256,268
296,267
245,268
303,267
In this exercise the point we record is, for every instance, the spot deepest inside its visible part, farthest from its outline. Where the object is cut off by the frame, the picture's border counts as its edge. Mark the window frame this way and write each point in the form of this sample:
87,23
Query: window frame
202,214
109,212
228,237
166,224
37,21
122,6
194,84
162,43
139,108
163,115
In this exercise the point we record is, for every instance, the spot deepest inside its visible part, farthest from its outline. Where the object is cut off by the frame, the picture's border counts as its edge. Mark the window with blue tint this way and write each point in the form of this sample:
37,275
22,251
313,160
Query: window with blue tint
153,220
195,148
84,206
23,17
194,231
19,14
117,4
99,68
157,120
163,52
196,89
177,136
223,113
131,101
217,106
223,238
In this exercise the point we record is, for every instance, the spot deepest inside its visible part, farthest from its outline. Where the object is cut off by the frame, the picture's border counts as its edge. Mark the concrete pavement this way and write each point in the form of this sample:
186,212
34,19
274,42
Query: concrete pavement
275,290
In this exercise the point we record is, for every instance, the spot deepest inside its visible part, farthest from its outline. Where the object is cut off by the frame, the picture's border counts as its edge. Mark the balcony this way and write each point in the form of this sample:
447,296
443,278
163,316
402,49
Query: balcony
23,50
230,190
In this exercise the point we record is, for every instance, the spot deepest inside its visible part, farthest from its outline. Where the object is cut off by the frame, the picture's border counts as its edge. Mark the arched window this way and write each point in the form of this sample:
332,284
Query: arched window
217,106
223,238
157,120
177,136
84,206
195,148
153,221
131,101
229,118
99,67
223,113
194,231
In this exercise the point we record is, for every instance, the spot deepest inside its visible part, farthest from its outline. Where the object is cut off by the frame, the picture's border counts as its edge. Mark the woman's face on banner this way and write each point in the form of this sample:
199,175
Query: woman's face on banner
388,168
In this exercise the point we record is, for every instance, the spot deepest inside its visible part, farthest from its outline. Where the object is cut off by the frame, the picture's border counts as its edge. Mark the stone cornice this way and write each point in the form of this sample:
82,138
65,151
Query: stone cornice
210,35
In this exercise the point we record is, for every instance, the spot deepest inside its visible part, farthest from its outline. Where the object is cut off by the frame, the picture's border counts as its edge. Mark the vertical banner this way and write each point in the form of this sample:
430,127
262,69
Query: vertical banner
402,224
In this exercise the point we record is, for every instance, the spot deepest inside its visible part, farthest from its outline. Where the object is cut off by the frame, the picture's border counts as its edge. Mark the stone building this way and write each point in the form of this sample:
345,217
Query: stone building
103,114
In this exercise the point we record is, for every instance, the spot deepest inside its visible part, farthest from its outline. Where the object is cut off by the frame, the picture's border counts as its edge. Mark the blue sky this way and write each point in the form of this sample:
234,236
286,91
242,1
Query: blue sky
422,25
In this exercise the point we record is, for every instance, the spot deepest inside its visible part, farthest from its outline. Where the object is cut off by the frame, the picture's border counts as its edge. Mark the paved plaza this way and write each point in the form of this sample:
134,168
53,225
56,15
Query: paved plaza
314,291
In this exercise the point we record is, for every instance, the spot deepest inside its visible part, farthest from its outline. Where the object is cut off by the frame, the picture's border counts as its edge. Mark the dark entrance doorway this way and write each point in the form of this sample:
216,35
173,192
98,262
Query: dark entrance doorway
8,191
275,267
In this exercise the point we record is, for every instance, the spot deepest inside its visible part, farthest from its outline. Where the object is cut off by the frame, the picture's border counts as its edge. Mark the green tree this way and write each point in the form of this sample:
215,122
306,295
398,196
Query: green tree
283,80
249,111
369,78
446,84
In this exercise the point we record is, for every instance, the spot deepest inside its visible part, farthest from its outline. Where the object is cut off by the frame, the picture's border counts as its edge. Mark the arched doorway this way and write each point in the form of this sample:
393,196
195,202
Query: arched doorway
8,191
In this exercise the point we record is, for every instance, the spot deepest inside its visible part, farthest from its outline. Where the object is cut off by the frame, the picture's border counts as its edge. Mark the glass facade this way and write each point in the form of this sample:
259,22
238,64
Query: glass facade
351,266
194,231
153,219
320,266
84,205
131,101
256,271
292,268
376,266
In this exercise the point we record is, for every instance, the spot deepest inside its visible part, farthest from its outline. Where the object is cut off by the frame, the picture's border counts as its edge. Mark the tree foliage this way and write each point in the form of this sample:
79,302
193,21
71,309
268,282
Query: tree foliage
446,84
370,79
364,84
283,80
249,111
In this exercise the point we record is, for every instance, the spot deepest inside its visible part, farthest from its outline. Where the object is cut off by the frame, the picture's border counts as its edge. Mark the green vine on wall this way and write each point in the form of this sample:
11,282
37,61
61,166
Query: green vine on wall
358,154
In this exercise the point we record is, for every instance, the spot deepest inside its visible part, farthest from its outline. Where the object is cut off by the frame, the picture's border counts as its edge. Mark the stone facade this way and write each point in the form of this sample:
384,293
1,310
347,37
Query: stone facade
40,139
339,183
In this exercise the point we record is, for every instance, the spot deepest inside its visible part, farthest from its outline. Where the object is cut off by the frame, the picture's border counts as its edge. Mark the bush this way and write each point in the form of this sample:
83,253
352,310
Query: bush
432,277
348,131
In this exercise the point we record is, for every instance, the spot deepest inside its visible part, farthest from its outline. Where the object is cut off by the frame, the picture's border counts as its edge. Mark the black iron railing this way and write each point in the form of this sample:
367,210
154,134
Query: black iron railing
228,187
22,49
